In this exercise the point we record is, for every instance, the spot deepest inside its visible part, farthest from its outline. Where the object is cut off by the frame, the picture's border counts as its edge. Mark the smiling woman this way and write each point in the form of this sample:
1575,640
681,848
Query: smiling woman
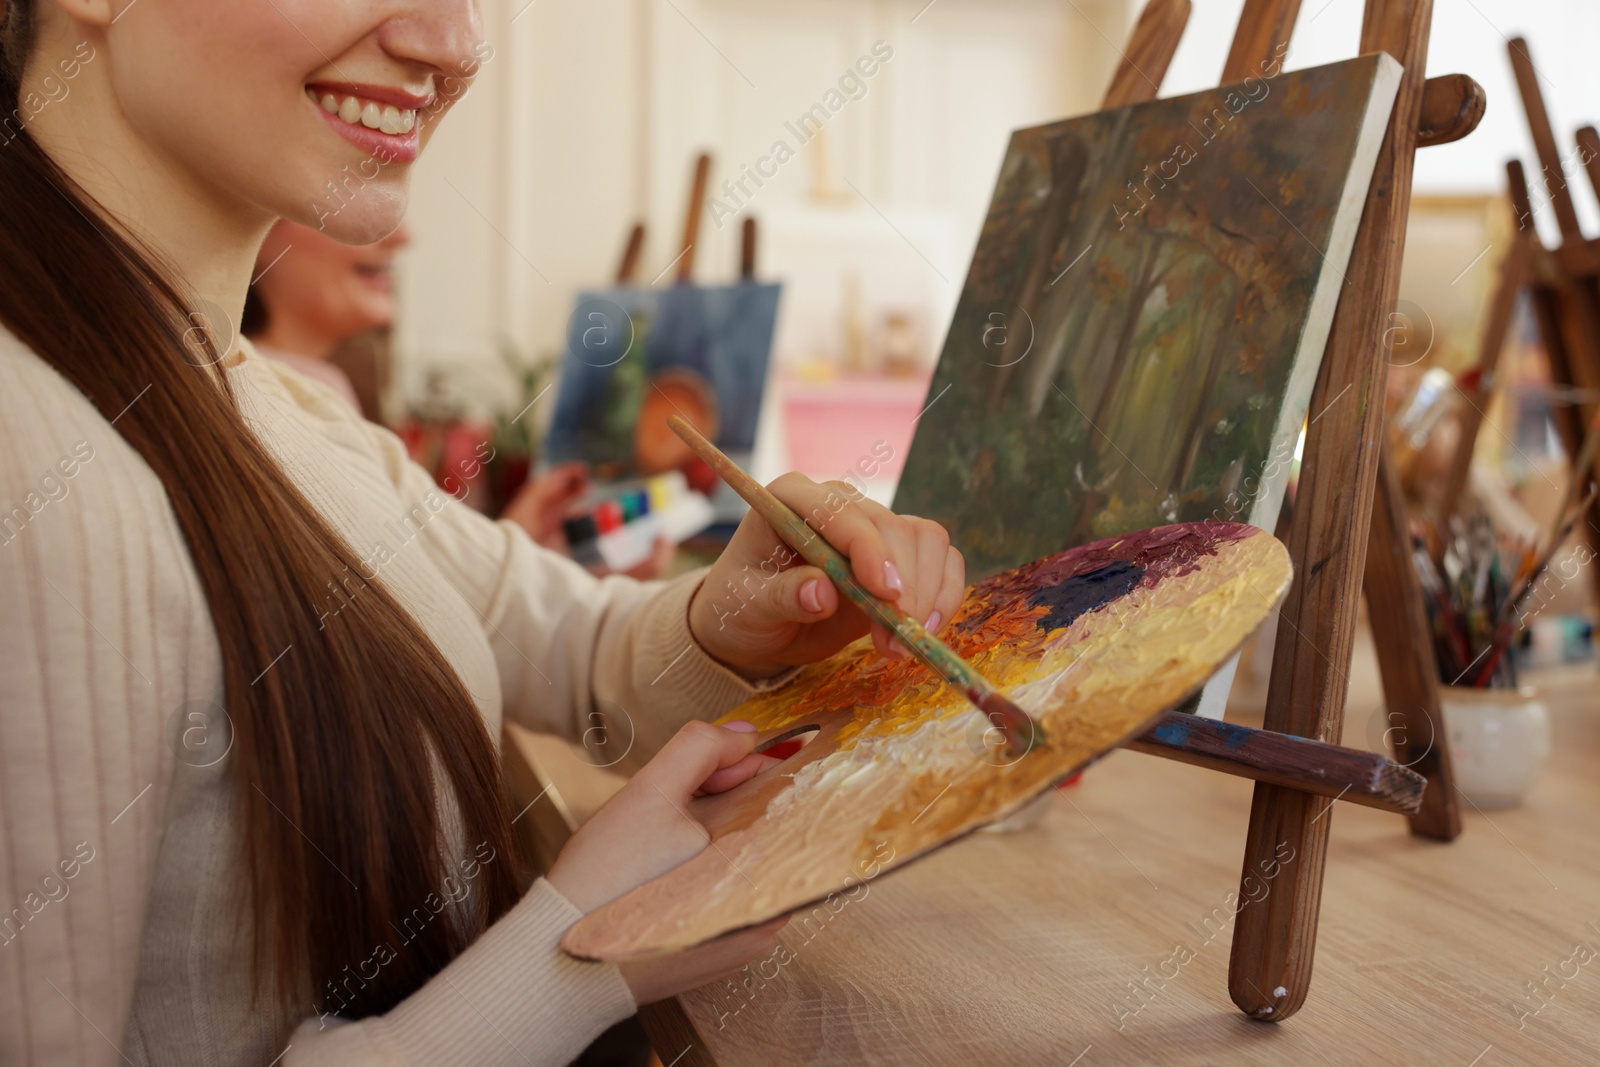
336,887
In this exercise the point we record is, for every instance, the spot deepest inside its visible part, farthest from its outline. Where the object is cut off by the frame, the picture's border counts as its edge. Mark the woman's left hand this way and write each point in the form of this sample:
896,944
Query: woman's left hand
763,608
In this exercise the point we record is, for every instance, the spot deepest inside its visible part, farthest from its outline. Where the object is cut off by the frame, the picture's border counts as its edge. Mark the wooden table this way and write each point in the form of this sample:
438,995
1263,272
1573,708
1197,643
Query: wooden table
1020,948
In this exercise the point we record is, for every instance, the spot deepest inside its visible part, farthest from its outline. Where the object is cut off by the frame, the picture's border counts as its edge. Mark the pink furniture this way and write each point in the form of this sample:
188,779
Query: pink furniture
856,426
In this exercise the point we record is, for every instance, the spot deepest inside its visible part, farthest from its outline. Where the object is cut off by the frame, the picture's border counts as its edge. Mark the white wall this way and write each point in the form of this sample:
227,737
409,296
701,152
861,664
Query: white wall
590,113
518,196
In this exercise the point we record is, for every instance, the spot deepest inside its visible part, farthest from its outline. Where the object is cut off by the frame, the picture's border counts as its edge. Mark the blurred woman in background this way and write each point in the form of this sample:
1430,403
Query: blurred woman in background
311,294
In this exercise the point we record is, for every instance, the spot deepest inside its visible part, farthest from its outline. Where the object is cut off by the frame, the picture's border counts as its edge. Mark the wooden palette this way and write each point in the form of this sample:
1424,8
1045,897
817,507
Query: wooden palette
1094,643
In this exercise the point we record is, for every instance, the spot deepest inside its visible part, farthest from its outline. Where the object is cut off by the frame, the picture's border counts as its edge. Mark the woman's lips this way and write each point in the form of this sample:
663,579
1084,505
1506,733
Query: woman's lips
382,130
378,278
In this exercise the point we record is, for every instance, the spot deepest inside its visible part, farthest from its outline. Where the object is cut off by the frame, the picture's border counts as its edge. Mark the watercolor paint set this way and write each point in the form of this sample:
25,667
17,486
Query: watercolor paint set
619,530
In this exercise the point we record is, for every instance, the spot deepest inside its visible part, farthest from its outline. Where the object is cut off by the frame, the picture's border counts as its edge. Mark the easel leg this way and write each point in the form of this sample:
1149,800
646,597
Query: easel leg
1580,305
1270,970
1510,278
1405,658
1274,940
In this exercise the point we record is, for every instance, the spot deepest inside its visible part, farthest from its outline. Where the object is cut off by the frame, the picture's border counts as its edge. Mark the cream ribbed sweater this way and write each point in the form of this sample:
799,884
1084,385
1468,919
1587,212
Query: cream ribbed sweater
119,941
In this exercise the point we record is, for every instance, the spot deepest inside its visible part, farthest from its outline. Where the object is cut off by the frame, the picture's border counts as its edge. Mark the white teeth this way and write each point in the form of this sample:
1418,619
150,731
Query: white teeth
369,113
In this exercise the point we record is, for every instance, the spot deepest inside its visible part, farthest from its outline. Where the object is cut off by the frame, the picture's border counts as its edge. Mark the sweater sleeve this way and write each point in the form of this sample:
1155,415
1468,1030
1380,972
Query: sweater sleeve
588,658
481,1009
100,649
107,650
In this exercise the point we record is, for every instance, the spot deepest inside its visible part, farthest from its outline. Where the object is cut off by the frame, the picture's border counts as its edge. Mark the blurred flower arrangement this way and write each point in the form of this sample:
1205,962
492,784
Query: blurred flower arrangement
482,462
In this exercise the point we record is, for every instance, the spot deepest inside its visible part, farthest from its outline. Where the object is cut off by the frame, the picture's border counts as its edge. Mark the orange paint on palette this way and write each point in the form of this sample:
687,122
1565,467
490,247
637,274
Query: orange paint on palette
1094,643
1002,628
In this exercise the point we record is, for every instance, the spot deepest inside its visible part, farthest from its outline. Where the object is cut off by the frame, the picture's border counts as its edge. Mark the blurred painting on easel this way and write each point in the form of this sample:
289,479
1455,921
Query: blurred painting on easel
1145,313
636,354
702,349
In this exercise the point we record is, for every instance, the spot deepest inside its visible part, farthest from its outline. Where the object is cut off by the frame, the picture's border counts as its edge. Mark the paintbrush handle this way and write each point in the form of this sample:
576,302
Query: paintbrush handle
815,550
1515,600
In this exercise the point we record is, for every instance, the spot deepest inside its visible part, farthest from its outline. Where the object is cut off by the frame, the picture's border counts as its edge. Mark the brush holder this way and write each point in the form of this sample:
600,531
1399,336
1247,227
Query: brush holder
1499,742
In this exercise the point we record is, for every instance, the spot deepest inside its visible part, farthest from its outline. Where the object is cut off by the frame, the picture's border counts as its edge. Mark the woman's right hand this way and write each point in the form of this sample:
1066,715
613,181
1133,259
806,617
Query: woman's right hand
646,830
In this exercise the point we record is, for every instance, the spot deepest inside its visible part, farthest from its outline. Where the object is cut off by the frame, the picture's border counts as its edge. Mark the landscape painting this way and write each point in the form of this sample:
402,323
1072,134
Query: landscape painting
1145,313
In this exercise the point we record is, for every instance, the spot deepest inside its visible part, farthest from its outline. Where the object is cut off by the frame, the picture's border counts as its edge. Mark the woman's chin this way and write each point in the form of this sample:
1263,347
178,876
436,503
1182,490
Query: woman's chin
375,311
355,214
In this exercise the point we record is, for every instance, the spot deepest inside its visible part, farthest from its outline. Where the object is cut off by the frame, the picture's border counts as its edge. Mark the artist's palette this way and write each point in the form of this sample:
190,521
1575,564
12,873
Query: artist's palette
1094,643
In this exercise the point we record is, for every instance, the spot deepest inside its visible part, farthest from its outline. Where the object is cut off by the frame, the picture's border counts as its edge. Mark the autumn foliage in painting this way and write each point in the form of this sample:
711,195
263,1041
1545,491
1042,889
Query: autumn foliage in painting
1121,355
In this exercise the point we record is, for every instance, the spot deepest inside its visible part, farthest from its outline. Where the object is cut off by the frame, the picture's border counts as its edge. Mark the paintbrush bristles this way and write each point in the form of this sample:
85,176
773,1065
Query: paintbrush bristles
1021,732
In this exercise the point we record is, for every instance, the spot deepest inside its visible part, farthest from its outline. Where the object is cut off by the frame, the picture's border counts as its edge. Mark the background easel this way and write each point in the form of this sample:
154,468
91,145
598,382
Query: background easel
1511,274
1349,498
1563,282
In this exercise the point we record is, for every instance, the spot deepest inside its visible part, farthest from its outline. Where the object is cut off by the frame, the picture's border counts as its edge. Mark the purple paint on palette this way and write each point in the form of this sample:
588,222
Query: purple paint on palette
1097,574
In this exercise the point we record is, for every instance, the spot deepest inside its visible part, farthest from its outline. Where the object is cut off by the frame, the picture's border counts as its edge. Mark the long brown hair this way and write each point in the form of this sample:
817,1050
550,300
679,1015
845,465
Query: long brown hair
336,749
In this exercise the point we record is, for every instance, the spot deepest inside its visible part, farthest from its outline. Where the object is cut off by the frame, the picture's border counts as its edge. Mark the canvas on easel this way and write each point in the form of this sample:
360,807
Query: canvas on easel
1146,310
701,348
636,354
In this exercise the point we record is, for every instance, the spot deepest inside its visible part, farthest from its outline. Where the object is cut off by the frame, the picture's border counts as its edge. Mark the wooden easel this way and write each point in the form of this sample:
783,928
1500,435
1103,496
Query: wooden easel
1564,282
1511,274
1349,497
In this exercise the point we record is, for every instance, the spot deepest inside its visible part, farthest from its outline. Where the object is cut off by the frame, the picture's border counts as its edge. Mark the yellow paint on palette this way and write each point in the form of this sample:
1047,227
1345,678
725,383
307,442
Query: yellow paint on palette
1094,642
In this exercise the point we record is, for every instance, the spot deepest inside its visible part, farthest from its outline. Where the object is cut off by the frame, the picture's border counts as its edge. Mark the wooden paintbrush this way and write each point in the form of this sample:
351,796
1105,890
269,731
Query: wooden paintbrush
1019,729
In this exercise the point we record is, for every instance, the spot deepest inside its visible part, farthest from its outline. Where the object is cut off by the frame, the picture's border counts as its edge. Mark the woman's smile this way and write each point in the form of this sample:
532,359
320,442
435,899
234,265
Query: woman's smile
380,121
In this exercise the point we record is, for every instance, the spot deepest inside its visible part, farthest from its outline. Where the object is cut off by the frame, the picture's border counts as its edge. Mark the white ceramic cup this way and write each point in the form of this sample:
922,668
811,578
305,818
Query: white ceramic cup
1499,741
